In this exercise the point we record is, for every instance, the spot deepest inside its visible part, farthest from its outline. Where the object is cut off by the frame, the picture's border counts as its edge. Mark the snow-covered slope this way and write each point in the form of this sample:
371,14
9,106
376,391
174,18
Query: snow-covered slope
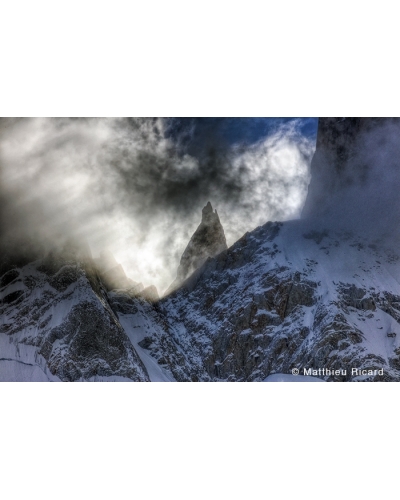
140,320
56,324
286,295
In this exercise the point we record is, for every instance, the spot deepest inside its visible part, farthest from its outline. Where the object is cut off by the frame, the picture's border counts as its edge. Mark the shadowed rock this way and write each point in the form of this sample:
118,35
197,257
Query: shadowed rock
207,241
60,320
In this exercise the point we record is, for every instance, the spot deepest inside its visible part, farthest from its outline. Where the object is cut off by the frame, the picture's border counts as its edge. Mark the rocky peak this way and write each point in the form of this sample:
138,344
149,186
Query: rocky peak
208,213
207,241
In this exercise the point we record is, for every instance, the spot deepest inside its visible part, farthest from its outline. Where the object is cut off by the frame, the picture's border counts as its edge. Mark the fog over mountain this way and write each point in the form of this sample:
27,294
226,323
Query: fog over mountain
317,296
136,187
356,178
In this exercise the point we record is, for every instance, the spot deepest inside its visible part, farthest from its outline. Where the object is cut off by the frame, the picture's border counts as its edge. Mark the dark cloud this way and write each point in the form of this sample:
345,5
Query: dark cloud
137,186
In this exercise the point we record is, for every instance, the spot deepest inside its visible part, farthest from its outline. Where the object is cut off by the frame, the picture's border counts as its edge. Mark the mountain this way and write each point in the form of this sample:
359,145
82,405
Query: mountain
305,294
285,296
57,322
314,296
207,241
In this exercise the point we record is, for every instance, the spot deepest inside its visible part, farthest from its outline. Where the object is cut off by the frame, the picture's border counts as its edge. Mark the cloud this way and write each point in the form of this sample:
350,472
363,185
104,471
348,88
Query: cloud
137,186
361,193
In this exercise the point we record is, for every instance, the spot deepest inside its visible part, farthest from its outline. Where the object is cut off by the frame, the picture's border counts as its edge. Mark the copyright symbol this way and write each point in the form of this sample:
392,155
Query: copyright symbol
295,371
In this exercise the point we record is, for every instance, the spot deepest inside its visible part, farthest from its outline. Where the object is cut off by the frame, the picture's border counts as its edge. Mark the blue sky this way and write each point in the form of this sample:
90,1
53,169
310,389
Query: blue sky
197,133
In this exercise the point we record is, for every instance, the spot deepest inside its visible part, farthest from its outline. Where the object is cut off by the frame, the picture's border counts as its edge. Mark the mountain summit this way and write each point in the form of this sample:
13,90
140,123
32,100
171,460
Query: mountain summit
207,241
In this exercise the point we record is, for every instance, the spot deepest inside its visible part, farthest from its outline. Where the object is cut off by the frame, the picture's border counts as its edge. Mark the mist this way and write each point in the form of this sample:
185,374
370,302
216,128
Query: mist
362,196
136,187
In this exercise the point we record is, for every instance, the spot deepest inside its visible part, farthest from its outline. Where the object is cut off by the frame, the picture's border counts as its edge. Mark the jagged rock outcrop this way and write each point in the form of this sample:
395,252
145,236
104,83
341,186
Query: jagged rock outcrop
207,241
57,323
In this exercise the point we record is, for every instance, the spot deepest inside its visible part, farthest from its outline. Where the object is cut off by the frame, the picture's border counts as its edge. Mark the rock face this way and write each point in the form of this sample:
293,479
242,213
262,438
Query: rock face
284,297
207,241
57,323
335,164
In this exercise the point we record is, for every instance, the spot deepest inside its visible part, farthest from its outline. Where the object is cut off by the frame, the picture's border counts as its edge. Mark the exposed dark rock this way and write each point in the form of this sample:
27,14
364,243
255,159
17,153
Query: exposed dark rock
390,303
9,277
242,316
146,342
12,297
356,297
207,241
62,318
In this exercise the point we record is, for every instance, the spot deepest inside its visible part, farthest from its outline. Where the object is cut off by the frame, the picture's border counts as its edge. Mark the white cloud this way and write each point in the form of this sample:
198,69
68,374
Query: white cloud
123,186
